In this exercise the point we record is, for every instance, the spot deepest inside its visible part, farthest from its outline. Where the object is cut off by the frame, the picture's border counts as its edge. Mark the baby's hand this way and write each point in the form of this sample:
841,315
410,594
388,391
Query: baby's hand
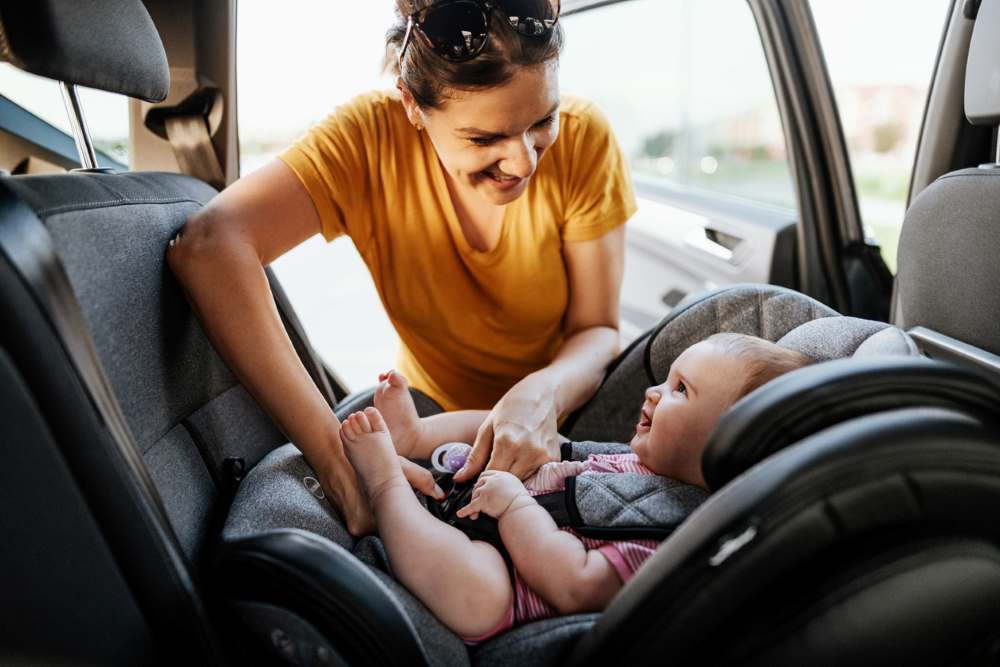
494,494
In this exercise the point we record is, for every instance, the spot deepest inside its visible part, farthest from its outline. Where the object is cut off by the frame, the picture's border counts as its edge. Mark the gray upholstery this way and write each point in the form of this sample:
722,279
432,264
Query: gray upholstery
839,337
274,494
949,259
185,409
630,500
547,642
111,44
982,70
759,310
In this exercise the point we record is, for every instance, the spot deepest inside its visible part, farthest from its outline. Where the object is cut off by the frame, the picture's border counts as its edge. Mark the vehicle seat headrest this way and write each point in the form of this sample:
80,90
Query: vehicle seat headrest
111,45
982,71
829,338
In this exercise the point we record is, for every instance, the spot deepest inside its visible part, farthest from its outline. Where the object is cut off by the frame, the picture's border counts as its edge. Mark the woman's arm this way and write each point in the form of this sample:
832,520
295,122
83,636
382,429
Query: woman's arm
219,259
584,579
520,435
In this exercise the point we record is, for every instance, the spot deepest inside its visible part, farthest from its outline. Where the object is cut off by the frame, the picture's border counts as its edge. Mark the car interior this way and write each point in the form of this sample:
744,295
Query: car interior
154,514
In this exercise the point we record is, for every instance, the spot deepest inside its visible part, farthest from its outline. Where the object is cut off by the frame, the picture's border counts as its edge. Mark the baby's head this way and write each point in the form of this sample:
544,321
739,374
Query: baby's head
704,381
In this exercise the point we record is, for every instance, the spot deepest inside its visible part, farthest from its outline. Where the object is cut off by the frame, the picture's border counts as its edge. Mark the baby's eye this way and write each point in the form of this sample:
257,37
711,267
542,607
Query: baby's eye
681,389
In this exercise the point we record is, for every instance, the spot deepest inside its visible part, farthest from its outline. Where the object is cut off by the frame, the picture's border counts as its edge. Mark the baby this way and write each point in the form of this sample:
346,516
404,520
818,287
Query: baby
465,582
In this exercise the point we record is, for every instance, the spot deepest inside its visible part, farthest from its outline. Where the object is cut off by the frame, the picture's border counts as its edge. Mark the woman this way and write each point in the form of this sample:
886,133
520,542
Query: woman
489,211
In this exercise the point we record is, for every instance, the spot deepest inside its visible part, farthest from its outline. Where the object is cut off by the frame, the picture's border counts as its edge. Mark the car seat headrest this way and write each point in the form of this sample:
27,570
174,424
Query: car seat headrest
839,337
982,71
794,406
112,45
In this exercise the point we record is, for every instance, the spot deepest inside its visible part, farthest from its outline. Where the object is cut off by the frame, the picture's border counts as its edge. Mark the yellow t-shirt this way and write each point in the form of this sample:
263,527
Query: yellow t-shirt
471,323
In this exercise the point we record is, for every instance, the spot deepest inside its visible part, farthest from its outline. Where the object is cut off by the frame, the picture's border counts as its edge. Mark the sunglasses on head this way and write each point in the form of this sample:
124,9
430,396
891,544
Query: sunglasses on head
457,30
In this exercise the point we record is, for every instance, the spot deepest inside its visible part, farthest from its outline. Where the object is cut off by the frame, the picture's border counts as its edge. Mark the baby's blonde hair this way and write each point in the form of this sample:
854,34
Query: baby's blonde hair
765,360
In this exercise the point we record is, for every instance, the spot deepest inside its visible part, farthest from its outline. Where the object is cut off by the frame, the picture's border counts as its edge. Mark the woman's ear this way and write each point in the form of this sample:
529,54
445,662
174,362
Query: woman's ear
413,112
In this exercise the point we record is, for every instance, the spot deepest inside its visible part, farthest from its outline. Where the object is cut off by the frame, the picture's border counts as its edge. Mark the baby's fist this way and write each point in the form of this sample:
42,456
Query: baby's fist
493,494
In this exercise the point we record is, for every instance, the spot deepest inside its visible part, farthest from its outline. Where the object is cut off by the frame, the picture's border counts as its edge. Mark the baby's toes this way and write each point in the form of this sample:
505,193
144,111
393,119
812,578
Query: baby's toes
375,419
362,422
397,379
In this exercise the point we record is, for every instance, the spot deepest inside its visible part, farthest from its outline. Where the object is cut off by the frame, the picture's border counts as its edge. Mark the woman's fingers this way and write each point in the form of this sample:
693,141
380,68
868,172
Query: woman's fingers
479,455
421,479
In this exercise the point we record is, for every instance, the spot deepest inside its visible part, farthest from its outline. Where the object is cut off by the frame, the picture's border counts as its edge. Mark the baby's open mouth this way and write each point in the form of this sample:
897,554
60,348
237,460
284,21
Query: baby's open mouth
644,421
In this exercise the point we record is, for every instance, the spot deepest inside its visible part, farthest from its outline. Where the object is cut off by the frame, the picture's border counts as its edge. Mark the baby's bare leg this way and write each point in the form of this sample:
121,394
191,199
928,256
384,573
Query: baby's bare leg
416,438
463,582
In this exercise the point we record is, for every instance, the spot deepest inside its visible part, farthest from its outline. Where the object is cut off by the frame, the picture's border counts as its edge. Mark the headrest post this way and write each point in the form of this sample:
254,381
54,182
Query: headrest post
84,146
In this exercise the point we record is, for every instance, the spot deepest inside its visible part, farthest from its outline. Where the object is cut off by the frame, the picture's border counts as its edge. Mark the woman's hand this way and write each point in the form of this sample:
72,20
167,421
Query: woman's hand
494,494
519,435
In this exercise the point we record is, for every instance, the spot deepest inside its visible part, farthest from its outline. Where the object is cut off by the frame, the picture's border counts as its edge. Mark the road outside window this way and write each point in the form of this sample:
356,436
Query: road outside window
688,93
880,56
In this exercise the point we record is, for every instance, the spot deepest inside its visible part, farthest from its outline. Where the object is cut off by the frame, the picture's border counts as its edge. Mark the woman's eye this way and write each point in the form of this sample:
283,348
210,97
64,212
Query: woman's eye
545,121
483,141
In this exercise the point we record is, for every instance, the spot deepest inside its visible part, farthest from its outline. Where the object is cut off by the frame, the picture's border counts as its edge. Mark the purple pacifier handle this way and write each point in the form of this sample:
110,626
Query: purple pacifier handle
454,457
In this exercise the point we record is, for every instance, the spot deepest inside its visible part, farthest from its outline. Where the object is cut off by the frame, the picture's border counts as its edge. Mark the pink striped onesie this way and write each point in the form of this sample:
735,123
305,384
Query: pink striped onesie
625,556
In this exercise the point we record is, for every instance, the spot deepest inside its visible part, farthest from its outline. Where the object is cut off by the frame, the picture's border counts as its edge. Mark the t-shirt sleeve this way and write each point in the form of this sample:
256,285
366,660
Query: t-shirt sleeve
599,195
332,163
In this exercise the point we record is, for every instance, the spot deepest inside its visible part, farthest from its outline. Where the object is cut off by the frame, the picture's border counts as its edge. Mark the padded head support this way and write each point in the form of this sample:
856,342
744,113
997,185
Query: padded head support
850,547
813,398
982,71
111,45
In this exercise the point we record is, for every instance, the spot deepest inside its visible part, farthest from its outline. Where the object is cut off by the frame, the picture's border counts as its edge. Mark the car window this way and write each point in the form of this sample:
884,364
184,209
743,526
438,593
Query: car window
106,114
294,66
688,94
881,91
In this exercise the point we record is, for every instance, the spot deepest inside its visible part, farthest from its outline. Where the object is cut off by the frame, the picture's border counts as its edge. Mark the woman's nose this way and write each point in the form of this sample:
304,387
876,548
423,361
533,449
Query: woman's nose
521,159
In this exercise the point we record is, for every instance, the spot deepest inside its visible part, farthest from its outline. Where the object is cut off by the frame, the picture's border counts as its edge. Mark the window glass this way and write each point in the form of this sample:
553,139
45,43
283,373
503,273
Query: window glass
106,114
881,90
294,66
688,94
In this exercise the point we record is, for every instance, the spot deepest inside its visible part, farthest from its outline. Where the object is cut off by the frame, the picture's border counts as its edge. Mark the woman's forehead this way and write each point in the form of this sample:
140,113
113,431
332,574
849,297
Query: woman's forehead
530,95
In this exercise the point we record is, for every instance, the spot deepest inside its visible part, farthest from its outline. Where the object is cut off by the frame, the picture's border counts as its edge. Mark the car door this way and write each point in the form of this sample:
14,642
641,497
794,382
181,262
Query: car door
727,115
687,89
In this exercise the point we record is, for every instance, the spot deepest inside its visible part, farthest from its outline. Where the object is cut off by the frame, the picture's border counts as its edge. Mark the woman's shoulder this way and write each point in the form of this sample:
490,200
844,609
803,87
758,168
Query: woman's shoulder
581,114
372,106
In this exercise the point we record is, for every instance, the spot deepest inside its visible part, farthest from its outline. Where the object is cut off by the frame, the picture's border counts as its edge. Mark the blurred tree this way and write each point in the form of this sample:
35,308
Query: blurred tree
887,136
660,144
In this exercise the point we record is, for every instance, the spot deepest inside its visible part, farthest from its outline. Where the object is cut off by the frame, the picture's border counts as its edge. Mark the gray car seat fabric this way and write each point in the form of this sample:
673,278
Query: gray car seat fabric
774,313
948,259
186,412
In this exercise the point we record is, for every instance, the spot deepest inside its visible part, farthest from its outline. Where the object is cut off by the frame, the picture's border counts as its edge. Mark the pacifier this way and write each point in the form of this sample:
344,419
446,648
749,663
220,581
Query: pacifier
450,457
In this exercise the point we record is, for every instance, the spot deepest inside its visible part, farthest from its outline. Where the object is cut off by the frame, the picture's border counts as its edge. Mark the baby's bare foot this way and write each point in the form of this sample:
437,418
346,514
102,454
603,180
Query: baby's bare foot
393,400
369,449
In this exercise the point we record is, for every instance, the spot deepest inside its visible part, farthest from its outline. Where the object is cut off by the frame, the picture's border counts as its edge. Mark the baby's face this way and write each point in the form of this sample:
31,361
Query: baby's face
678,416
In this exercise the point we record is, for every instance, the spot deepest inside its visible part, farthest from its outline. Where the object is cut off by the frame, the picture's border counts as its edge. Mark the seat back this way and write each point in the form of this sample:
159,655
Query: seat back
949,247
188,416
129,427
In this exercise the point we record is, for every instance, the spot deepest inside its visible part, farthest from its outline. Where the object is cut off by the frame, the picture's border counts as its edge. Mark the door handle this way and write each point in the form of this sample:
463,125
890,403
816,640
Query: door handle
714,242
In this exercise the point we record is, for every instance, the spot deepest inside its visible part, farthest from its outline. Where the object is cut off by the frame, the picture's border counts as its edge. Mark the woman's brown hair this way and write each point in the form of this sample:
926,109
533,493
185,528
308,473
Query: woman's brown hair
429,77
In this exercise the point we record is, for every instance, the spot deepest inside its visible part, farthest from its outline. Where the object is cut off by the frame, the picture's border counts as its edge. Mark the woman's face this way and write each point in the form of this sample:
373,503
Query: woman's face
490,141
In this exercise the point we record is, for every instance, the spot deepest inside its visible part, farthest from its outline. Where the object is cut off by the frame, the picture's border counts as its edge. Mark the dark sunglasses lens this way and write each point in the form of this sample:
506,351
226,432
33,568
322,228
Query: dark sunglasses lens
457,30
533,18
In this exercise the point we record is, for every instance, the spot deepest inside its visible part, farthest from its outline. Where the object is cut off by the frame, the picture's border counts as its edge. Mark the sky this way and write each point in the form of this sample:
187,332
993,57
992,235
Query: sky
295,65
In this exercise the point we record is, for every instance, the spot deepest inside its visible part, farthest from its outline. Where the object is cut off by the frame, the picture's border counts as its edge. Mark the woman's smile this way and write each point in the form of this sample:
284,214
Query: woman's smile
500,180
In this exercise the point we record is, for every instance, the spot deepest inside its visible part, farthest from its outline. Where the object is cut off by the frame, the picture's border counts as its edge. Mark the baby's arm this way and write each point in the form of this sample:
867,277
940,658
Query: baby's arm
554,563
460,426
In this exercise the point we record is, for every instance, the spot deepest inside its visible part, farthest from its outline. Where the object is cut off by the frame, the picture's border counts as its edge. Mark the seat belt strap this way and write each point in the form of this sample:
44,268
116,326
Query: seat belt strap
188,127
193,148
